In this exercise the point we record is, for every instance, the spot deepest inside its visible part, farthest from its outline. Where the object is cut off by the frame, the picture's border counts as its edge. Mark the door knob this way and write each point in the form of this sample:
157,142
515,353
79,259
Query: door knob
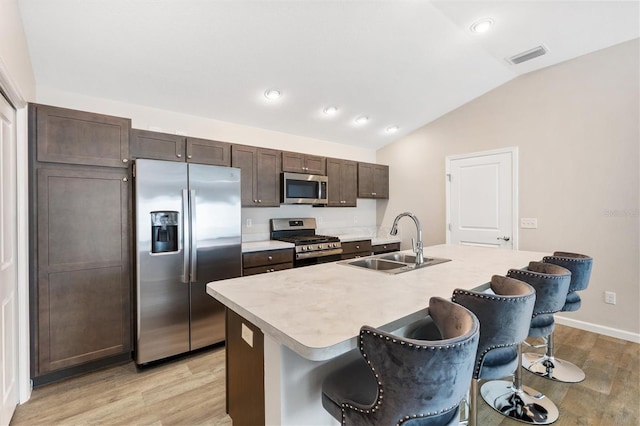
503,238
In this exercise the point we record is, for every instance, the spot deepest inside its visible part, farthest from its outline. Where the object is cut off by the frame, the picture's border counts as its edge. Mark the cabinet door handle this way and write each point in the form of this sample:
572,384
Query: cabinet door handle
357,247
188,156
374,194
179,155
124,179
259,201
125,160
270,257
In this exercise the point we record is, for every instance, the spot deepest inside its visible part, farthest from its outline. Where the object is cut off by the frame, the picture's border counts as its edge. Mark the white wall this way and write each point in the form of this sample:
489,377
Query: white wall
14,55
577,128
18,84
331,219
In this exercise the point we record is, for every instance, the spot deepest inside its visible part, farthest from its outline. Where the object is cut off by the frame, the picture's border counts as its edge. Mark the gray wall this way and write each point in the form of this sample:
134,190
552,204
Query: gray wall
577,128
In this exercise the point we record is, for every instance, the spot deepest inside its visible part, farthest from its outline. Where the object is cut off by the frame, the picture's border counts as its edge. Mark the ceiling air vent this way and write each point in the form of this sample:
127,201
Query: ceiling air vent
528,55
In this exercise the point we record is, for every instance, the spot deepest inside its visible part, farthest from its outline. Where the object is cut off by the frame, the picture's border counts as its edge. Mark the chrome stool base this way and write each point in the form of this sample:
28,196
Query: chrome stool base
552,368
524,405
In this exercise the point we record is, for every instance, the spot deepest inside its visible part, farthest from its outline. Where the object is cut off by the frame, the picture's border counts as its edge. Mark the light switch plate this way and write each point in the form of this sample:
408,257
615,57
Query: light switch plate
528,223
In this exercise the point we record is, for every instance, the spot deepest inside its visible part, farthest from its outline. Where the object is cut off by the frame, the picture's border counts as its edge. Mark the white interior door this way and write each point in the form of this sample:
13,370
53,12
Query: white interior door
482,199
8,263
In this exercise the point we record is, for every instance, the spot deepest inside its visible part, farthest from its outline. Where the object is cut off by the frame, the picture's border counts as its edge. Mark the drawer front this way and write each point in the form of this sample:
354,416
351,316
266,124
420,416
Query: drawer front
266,268
267,257
356,247
385,248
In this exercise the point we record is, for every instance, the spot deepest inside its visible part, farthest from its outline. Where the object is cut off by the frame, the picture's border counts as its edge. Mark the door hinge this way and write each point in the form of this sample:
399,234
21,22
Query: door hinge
449,226
449,177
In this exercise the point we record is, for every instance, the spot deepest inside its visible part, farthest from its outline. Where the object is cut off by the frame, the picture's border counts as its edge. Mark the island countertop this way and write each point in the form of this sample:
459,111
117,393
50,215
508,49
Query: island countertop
317,311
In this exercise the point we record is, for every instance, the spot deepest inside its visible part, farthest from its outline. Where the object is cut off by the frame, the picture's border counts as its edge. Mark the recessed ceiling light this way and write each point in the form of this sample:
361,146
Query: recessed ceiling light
362,119
330,110
272,94
392,129
482,25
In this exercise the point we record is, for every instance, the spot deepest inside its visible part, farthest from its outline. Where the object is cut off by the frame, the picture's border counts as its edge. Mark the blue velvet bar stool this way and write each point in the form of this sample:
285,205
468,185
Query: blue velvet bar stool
504,319
513,399
402,381
547,365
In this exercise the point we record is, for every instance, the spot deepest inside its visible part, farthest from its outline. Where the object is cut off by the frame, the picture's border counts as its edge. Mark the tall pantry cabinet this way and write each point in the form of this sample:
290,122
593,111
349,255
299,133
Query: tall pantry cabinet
80,263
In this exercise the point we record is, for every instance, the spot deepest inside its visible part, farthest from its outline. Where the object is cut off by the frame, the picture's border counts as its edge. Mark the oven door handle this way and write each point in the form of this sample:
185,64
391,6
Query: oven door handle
319,253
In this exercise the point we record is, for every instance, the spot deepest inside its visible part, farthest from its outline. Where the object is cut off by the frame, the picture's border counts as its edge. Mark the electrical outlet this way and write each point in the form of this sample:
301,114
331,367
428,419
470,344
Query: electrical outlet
249,223
319,220
610,297
528,223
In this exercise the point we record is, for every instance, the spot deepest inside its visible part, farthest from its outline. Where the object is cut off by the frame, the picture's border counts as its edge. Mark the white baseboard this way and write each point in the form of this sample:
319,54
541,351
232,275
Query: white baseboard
600,329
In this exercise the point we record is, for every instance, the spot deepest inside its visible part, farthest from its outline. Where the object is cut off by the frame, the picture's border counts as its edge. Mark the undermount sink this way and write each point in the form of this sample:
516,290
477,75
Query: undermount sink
394,263
400,257
409,258
377,264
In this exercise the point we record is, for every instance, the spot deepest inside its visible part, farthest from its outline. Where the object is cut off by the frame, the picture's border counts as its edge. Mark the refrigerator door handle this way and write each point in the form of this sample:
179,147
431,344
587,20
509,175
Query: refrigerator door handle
194,237
186,247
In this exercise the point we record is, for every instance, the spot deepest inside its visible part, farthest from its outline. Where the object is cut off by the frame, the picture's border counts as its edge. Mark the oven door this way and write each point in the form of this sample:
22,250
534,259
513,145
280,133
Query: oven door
304,189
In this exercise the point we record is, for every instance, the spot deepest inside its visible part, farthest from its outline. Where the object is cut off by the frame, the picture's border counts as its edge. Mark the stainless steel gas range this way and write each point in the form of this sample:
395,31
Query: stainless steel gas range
310,248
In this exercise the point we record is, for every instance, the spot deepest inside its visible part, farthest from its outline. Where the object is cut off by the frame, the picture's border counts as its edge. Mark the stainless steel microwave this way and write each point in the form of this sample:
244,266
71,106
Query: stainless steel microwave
303,189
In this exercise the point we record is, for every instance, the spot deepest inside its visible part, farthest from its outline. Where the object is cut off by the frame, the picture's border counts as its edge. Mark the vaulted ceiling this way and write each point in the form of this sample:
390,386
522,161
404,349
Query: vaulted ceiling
399,63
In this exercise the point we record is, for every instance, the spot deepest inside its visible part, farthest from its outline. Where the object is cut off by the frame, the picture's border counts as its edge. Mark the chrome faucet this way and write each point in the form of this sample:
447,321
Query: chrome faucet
417,247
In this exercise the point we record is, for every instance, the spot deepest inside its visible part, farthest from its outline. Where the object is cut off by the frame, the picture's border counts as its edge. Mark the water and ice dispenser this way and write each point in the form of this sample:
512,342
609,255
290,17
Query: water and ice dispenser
164,231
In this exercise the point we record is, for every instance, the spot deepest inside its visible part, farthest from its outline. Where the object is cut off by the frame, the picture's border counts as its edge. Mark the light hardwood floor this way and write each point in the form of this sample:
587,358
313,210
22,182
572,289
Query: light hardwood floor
191,390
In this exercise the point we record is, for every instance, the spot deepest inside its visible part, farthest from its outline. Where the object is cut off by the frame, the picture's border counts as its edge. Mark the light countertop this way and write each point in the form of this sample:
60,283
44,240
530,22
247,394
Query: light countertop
265,245
317,311
252,246
353,237
387,239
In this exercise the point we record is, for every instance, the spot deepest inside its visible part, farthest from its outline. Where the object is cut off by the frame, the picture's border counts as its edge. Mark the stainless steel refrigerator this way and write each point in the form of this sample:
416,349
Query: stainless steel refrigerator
188,233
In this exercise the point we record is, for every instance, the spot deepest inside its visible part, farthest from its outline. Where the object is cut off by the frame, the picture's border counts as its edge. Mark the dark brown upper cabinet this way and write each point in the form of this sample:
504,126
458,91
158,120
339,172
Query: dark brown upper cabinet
343,182
373,181
260,175
296,162
77,137
165,146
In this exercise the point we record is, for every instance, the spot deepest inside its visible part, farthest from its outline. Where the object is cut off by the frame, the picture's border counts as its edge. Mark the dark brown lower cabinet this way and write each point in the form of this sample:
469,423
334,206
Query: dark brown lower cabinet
385,248
353,249
81,312
245,371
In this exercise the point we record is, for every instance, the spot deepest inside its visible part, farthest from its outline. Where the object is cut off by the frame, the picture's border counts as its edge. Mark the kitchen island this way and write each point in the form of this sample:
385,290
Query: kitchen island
308,319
